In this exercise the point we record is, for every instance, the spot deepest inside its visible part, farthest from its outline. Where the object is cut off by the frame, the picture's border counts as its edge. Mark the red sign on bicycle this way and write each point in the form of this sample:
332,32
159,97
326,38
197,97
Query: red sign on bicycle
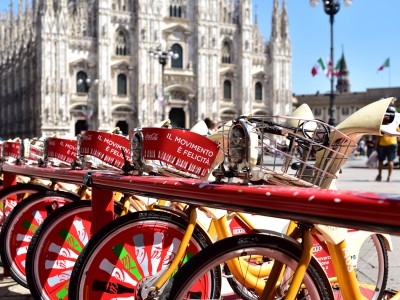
62,149
11,149
182,149
107,147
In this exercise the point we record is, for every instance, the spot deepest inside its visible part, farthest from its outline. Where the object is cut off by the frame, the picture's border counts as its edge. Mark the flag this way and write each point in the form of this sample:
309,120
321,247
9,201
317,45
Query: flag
169,99
330,69
385,64
87,111
318,67
337,67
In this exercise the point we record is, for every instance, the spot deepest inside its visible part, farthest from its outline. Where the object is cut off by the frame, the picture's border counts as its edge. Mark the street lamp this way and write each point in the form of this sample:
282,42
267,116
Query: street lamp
163,57
89,107
331,8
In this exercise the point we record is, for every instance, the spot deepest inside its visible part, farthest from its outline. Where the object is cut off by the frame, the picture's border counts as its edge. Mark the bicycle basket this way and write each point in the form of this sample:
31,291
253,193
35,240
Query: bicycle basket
31,151
283,150
103,150
60,152
172,152
10,151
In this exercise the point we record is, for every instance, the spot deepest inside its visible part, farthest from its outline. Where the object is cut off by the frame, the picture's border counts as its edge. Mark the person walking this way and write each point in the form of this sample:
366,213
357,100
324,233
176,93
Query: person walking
386,148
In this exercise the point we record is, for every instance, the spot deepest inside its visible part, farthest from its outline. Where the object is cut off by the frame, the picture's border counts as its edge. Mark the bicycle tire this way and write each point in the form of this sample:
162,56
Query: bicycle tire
371,269
13,192
128,252
50,237
268,246
20,226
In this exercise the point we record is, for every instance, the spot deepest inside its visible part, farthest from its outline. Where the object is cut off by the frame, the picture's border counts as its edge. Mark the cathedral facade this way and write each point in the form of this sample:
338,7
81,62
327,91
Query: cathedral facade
73,65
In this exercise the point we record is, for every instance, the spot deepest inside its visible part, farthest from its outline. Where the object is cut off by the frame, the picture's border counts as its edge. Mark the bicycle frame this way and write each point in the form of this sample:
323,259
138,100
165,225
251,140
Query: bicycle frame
168,189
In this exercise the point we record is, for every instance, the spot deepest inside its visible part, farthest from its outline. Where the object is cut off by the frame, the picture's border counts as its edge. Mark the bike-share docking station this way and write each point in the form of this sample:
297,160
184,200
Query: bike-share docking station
225,171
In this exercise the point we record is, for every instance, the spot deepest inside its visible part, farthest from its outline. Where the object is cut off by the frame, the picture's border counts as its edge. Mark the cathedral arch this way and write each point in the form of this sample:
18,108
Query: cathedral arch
122,115
77,112
228,114
261,112
180,104
122,109
121,42
177,62
179,91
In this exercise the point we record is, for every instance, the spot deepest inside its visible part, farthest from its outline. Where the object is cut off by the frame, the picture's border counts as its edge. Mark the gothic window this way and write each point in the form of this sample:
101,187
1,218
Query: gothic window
81,84
226,53
227,90
120,5
121,44
258,91
177,62
175,9
121,84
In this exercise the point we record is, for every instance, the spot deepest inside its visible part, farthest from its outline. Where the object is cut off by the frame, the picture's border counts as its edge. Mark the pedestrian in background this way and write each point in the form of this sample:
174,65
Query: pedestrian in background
386,147
370,146
361,147
210,125
398,153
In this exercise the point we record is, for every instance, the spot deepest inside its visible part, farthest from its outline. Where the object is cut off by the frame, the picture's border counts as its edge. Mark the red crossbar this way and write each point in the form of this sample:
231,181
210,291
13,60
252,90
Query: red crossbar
358,210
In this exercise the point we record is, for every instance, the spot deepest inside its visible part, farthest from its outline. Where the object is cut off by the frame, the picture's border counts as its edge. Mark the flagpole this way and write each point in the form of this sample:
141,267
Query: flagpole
331,121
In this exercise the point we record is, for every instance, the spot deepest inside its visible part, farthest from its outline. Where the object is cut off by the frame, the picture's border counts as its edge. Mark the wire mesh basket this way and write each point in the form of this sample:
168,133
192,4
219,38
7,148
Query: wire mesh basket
32,151
283,150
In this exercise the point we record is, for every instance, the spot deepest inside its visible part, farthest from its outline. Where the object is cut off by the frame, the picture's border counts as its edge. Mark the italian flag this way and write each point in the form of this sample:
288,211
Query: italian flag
385,64
318,67
336,71
337,67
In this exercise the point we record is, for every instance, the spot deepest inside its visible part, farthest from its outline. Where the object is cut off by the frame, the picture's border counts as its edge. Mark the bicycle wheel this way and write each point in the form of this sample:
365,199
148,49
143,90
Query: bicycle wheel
20,226
60,238
124,255
371,268
191,281
12,195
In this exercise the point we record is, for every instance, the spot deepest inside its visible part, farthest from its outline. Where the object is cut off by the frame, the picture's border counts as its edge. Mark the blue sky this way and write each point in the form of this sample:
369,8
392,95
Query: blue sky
368,31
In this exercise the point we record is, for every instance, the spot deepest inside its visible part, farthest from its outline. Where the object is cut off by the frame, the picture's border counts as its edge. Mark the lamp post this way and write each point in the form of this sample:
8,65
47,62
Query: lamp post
331,8
163,57
89,107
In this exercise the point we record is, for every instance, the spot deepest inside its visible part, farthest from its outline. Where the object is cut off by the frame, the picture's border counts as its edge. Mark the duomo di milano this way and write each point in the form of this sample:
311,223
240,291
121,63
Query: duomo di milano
69,64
